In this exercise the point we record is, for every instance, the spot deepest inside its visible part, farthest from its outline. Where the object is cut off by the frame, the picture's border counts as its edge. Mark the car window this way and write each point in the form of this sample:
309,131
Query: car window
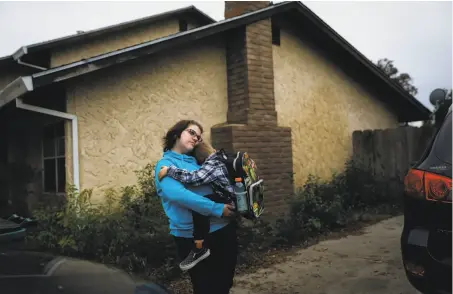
442,146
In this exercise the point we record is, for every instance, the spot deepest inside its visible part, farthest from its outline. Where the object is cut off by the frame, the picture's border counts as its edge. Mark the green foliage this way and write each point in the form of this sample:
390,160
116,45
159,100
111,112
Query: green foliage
127,229
322,206
254,239
403,79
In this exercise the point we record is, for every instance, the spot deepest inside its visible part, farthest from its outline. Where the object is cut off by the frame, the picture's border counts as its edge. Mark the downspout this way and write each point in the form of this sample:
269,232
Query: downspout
75,139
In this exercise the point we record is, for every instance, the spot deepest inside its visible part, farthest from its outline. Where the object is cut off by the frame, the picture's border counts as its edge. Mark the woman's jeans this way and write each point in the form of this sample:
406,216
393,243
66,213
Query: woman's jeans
214,275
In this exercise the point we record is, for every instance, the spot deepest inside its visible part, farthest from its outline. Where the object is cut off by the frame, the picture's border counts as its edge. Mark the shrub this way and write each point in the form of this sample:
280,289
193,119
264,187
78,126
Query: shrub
127,229
254,238
321,206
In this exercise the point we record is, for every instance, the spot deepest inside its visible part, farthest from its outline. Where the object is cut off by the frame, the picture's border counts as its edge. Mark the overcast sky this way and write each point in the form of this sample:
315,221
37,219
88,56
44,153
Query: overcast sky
416,35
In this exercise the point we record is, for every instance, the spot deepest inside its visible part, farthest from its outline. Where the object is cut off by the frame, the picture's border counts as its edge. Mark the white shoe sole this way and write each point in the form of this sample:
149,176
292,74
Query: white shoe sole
188,267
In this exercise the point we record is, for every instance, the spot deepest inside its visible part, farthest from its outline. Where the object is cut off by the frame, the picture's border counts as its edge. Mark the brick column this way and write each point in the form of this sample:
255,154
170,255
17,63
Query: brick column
252,120
270,147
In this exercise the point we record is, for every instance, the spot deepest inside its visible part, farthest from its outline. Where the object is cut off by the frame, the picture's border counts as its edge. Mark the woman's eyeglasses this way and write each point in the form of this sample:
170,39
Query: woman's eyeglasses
194,134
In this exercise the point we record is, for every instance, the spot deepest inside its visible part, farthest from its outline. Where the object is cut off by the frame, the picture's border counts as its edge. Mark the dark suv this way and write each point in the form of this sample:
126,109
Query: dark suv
426,241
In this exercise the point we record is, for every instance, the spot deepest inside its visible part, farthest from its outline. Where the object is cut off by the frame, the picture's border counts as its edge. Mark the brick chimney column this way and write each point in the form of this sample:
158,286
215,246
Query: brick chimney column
250,68
252,120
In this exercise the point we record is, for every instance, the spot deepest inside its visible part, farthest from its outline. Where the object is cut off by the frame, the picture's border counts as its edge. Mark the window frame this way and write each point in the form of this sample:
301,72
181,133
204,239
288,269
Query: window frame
55,139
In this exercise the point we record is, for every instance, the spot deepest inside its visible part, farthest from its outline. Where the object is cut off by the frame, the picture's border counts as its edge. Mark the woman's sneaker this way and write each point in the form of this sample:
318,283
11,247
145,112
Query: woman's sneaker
194,257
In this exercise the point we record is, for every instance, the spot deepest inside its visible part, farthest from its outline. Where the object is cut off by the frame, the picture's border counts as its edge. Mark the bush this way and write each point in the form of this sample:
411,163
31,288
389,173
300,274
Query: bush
128,229
321,206
254,239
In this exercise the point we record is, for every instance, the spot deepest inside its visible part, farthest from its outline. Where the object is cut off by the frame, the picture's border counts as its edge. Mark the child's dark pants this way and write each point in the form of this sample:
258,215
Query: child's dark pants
201,222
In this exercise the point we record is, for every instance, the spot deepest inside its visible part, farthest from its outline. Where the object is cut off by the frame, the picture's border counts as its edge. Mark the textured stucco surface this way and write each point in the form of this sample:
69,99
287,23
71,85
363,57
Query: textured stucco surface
114,41
323,106
124,112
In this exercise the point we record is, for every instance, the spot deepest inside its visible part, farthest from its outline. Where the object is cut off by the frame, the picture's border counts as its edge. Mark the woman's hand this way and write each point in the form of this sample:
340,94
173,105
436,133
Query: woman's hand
228,210
162,173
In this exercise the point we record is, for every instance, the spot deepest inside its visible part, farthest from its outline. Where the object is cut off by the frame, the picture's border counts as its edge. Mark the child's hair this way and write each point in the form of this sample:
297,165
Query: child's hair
202,151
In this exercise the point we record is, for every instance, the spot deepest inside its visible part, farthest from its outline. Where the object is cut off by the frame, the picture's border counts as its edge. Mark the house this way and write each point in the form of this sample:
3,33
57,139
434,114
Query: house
272,79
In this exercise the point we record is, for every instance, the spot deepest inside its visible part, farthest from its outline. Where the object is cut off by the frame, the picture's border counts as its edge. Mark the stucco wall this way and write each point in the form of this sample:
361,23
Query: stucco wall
114,41
323,106
124,111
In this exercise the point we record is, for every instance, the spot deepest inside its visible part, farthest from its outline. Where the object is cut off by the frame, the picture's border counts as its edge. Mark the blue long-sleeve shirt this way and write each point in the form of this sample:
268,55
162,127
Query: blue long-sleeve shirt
178,200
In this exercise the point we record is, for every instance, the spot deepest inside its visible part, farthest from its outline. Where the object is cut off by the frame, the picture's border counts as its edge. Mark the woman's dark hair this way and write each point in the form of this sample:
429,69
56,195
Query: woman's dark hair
175,132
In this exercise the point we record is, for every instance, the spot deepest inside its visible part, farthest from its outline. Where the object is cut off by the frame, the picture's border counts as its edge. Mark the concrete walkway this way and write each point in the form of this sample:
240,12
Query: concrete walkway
365,264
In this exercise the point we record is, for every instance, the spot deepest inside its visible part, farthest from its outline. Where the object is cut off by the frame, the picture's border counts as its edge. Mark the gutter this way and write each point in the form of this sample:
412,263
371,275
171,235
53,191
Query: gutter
23,85
21,52
15,89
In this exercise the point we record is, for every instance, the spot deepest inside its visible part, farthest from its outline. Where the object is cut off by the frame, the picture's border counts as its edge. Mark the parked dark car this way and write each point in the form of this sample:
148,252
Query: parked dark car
426,240
24,272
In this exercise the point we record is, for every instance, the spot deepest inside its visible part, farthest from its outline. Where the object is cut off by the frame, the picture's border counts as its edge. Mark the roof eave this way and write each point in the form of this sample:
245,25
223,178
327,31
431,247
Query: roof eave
424,112
104,60
153,18
122,55
16,89
24,50
20,52
206,17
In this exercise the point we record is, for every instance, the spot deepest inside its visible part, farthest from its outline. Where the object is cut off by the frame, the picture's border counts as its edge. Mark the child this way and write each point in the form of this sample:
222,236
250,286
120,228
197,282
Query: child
212,171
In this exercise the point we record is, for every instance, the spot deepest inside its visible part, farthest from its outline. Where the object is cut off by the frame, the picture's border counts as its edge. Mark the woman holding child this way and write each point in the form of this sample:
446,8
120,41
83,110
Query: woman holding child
200,217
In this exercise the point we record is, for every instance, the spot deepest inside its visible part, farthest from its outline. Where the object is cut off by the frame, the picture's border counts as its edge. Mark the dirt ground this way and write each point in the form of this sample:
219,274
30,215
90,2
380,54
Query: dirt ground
365,264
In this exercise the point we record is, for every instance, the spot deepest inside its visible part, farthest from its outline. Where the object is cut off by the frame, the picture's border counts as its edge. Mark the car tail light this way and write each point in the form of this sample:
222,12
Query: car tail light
437,187
413,183
415,269
426,185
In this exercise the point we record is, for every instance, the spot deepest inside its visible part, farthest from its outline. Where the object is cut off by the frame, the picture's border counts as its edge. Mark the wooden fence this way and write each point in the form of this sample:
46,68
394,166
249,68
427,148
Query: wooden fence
389,153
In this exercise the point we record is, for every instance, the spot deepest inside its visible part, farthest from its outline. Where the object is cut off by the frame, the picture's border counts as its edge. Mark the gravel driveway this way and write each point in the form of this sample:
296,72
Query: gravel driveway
364,264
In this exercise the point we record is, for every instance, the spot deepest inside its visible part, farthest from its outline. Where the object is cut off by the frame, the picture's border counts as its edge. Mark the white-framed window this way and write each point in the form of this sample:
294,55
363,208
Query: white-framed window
53,158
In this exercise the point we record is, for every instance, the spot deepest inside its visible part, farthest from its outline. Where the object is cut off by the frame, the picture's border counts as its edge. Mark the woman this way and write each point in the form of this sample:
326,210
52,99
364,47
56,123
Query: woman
214,274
